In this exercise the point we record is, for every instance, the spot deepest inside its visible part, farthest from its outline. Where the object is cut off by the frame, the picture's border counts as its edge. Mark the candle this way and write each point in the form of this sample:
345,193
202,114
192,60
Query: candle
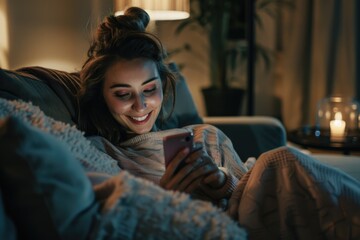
337,127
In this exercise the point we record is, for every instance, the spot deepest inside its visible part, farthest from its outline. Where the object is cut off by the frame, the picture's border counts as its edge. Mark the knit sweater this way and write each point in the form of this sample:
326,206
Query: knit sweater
143,155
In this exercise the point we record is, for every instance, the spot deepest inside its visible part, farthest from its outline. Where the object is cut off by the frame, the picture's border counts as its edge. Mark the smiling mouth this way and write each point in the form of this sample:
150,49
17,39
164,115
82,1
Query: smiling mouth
140,120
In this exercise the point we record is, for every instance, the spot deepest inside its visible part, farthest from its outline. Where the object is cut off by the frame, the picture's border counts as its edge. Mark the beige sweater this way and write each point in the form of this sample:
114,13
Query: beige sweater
143,155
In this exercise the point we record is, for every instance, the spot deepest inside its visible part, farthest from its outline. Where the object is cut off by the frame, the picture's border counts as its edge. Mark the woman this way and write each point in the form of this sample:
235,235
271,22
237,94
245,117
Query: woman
286,194
125,83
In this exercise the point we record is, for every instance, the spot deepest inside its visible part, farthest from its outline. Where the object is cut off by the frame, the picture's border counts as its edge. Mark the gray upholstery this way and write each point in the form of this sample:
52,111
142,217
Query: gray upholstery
52,90
185,112
347,163
251,136
20,85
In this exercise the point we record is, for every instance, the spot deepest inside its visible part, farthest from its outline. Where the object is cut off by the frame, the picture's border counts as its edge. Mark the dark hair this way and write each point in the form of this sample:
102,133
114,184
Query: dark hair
117,37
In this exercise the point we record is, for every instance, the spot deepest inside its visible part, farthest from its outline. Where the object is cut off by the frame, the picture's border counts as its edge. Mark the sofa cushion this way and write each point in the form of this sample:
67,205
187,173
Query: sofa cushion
65,85
185,112
19,85
45,189
347,163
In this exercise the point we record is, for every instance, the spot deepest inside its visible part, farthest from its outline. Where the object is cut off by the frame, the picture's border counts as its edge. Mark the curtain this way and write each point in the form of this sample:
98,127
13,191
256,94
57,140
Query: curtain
318,55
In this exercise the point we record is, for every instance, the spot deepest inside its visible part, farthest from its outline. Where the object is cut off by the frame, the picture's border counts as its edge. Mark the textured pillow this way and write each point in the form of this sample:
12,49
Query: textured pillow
17,85
91,159
45,189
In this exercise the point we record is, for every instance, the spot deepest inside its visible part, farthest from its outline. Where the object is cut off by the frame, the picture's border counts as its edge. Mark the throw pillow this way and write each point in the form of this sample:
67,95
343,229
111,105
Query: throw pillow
184,112
17,85
45,189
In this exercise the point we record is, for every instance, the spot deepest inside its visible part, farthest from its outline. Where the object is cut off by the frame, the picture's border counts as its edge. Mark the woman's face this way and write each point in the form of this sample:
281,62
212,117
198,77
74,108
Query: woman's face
133,93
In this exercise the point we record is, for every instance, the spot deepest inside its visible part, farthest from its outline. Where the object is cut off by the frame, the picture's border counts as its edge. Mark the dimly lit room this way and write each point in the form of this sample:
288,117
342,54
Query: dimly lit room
179,119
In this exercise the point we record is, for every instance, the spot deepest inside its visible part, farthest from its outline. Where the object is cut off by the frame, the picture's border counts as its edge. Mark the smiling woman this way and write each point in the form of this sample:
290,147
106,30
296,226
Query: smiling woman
125,83
133,93
117,100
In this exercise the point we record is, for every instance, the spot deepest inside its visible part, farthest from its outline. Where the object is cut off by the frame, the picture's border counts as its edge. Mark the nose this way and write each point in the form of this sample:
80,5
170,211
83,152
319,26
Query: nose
139,103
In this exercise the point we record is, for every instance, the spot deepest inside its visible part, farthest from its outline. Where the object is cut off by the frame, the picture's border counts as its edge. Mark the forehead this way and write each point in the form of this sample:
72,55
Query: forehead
129,71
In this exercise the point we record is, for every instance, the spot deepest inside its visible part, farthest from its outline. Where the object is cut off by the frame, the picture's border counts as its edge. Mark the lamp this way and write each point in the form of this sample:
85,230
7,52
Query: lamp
157,9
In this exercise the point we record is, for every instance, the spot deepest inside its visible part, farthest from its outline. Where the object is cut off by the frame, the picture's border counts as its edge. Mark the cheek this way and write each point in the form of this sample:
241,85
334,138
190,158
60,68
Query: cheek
156,99
116,106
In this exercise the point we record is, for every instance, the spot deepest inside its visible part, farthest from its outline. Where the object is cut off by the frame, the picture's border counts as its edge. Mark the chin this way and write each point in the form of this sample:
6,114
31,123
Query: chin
143,131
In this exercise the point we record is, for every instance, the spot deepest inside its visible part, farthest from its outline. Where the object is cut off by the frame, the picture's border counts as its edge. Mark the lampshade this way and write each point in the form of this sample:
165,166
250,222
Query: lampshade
157,9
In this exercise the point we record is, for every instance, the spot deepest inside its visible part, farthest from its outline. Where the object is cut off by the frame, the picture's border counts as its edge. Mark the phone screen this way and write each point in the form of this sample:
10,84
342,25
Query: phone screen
174,143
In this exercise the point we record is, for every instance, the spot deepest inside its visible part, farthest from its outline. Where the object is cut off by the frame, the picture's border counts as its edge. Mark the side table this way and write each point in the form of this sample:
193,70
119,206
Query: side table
309,137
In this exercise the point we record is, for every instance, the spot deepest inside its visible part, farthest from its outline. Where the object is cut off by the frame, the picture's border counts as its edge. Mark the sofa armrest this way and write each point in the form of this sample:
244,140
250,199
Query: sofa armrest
251,136
346,163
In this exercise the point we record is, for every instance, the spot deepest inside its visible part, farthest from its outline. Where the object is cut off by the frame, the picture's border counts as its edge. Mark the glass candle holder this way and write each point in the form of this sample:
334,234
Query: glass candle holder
337,118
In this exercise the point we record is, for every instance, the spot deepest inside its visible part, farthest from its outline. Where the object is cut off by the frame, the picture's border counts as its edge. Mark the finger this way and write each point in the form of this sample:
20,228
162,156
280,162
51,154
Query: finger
193,156
179,157
193,186
184,176
197,147
197,172
173,165
216,179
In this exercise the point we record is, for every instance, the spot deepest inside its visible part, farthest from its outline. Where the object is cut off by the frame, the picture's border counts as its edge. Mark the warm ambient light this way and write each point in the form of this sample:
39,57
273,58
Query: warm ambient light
337,127
4,41
157,9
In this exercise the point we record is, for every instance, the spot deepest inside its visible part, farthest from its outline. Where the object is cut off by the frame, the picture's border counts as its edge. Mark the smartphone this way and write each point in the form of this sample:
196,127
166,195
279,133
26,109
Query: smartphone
174,143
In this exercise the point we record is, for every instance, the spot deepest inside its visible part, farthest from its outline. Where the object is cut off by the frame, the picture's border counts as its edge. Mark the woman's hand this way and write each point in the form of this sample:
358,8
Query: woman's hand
199,175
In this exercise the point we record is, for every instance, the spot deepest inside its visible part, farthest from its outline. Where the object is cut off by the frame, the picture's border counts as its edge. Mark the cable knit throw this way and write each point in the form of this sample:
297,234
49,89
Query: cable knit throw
285,195
132,208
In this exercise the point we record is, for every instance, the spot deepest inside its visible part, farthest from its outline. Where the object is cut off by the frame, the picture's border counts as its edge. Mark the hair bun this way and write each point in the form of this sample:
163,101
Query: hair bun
134,19
139,14
114,29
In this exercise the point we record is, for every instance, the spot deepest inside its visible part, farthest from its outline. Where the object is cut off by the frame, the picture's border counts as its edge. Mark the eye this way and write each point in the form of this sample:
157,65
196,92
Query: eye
122,95
150,90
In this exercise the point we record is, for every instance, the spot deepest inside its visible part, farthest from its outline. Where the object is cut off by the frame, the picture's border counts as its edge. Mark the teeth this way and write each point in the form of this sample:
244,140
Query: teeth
140,118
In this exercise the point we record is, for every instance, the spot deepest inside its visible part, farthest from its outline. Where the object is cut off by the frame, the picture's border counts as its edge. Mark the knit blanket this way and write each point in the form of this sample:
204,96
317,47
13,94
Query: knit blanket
285,195
92,159
290,195
131,208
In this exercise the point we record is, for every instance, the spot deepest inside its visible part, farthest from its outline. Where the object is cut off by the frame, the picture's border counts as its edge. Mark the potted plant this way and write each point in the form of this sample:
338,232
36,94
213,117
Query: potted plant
224,22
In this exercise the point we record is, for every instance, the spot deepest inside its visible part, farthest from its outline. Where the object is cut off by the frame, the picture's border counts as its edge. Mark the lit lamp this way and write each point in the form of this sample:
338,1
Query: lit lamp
338,118
157,9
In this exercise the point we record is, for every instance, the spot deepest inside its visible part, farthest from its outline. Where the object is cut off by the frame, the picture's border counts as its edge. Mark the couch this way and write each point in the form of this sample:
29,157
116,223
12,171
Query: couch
53,91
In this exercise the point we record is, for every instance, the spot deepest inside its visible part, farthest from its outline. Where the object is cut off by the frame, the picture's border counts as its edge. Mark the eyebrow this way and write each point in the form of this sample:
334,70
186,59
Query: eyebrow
116,85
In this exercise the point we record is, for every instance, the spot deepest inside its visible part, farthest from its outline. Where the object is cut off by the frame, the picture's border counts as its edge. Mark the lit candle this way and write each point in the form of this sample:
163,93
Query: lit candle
337,127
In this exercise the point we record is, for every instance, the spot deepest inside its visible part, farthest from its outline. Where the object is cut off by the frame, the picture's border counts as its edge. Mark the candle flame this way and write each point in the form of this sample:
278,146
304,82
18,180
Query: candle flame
338,116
